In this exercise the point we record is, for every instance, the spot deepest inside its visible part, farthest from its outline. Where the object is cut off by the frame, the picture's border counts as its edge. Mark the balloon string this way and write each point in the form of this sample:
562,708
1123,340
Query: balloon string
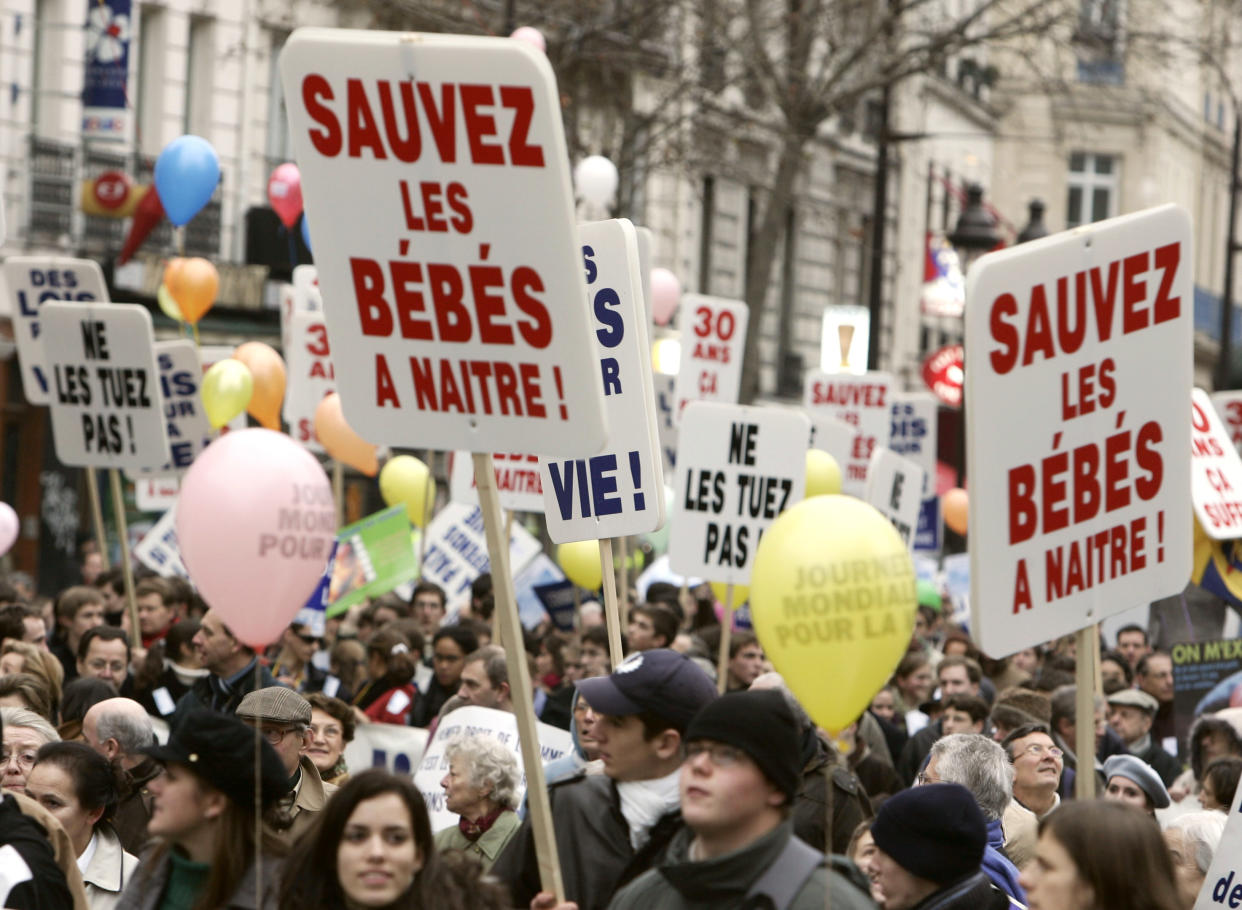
194,326
293,248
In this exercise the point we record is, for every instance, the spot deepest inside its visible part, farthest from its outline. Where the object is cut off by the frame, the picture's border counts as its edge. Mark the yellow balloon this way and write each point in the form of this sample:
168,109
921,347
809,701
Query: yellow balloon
227,388
823,474
833,601
405,480
580,562
741,593
167,304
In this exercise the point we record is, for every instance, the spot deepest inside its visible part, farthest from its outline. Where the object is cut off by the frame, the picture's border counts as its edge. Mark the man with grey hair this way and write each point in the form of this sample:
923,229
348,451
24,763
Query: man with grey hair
1192,840
481,787
980,765
119,729
485,679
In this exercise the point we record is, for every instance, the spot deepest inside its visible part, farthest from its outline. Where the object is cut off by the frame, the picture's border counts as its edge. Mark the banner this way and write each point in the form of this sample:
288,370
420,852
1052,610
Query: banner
456,552
517,481
158,549
105,86
388,746
373,556
894,489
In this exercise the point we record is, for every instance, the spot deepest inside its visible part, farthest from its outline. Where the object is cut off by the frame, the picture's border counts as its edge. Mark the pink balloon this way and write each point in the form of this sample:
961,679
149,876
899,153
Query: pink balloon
665,295
531,36
255,522
9,526
284,192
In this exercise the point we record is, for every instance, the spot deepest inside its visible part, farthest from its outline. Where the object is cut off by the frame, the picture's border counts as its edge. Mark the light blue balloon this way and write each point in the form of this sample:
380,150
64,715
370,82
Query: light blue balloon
306,232
186,174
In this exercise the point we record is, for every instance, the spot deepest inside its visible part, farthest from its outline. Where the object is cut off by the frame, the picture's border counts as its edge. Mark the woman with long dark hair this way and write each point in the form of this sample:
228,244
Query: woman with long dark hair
372,847
388,694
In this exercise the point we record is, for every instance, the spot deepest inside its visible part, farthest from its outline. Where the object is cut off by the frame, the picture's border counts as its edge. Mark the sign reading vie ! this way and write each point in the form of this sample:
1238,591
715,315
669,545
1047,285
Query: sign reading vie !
620,490
434,169
106,406
1079,363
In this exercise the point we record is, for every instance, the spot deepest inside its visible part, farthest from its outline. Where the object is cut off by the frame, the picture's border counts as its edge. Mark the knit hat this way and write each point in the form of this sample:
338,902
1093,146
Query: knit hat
761,725
219,748
936,832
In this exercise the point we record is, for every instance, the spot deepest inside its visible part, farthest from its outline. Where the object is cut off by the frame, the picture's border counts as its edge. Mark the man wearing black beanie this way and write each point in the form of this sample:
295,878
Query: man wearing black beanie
738,783
929,850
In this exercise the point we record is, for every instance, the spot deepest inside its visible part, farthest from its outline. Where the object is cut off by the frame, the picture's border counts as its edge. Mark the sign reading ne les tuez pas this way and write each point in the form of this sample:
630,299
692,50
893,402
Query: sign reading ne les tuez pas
434,169
1078,383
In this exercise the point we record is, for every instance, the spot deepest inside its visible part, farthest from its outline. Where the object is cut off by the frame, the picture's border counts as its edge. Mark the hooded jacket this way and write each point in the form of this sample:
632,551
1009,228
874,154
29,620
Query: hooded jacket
1227,722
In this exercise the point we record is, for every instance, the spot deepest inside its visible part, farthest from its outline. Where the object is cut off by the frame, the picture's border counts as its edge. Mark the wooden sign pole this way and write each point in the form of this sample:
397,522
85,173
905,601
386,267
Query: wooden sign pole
611,614
122,529
101,539
726,631
506,619
1084,722
623,579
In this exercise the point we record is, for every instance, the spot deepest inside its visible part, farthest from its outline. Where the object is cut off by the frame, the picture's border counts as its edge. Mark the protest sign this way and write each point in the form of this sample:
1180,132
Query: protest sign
1077,442
894,488
1215,471
106,405
558,599
834,436
738,468
713,340
314,613
928,533
156,494
457,551
373,556
664,388
446,323
307,298
620,490
517,479
181,378
1222,885
500,725
913,433
158,549
646,243
866,402
1206,674
539,571
308,357
1229,408
33,281
388,746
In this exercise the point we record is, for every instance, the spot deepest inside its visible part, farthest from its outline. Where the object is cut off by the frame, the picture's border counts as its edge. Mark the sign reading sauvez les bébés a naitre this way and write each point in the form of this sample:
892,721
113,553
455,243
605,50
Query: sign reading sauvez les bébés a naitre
1078,380
434,169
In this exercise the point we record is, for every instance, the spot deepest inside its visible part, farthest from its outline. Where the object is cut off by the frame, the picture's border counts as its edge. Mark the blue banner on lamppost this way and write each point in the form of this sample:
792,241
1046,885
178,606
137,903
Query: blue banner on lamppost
105,87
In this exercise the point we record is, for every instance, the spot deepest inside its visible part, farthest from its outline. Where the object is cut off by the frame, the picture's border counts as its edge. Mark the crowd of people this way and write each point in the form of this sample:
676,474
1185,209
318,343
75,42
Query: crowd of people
175,766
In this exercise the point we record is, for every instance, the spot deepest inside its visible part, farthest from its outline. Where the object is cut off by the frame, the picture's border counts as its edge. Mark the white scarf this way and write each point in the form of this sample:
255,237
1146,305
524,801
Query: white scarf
644,802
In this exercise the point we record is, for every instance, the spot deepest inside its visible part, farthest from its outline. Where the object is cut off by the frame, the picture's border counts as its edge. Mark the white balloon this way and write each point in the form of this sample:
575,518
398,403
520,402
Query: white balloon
595,178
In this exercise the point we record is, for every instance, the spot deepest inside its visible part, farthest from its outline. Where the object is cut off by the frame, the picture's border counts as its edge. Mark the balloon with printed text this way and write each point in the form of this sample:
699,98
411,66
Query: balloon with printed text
581,563
832,599
267,369
186,175
226,391
406,480
255,524
339,439
955,504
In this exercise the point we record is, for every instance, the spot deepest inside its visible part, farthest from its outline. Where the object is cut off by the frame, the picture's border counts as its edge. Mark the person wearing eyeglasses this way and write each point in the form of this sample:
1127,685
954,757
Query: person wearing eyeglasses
25,733
1037,766
293,666
283,717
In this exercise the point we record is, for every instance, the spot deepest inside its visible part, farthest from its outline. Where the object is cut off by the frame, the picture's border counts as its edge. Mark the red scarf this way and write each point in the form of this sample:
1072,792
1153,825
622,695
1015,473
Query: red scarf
472,831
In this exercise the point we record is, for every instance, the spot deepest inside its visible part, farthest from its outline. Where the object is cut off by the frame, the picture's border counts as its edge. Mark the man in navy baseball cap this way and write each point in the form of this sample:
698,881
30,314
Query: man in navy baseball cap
612,827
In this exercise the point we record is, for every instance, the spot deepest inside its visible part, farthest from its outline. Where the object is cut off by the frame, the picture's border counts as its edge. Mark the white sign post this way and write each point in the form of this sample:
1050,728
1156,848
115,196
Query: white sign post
1079,361
865,401
738,468
895,489
33,281
713,340
1215,472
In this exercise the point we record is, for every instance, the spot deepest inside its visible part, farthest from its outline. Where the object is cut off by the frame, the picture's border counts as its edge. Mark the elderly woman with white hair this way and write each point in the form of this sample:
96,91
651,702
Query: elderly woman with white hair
1192,840
481,787
25,733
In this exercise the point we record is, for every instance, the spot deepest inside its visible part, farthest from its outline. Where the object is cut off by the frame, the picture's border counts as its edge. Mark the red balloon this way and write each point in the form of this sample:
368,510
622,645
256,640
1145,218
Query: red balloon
284,192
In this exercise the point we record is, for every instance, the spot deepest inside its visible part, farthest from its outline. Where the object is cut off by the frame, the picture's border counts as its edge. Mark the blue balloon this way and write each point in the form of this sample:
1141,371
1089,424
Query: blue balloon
186,174
306,232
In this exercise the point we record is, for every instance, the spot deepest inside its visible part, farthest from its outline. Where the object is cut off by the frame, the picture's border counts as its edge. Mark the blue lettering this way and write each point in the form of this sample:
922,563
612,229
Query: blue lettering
613,326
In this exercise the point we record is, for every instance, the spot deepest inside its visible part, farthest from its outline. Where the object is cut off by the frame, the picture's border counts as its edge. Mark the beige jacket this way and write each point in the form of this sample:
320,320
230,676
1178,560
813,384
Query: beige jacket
109,870
311,796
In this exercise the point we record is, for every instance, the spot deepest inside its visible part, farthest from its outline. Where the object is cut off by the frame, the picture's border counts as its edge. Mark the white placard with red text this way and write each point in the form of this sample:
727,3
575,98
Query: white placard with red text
308,358
1215,471
447,252
156,494
1229,409
834,436
517,481
1077,441
738,468
895,490
866,402
33,281
713,340
620,490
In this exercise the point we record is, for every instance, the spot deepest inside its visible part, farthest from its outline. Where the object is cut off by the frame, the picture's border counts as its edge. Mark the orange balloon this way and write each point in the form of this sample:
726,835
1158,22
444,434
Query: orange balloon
955,505
194,284
339,438
268,370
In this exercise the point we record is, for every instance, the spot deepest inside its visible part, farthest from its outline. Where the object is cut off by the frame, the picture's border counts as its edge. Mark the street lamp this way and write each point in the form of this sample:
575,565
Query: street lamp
1035,227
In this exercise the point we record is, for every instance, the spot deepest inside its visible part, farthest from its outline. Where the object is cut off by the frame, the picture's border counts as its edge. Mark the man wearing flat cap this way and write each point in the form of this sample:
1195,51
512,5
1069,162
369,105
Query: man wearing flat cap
283,716
1131,713
1135,782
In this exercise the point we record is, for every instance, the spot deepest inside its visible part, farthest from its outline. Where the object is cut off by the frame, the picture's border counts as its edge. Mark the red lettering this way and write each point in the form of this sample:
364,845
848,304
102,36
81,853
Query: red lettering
1116,471
1148,459
363,133
487,306
1133,293
1166,307
1069,339
1038,329
433,207
538,332
1021,588
1004,333
464,220
410,301
1054,467
441,121
480,126
531,390
328,141
385,391
452,318
1023,515
373,311
520,100
1105,298
1086,487
404,149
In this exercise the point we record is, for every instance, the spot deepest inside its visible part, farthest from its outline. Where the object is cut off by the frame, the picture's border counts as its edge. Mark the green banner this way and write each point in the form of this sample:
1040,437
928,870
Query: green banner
373,556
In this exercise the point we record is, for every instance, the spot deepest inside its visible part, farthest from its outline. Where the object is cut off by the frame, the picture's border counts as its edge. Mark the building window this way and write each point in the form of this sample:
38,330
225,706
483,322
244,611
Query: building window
149,82
706,221
200,76
1098,42
1094,185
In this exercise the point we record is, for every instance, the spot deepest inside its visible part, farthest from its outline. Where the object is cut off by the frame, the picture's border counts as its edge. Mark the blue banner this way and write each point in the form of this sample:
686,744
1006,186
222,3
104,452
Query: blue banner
927,537
109,25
